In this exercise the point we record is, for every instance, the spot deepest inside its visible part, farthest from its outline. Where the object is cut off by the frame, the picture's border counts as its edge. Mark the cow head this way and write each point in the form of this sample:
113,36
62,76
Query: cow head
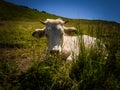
54,31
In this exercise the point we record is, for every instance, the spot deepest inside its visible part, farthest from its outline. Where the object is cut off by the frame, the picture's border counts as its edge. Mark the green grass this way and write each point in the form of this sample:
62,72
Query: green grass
18,34
9,11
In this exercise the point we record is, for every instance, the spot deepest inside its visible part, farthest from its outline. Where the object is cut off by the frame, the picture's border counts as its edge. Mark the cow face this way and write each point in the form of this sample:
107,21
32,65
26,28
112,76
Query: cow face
54,31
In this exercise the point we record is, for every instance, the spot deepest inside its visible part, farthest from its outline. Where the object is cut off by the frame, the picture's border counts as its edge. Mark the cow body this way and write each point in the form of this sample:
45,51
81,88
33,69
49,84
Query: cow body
59,42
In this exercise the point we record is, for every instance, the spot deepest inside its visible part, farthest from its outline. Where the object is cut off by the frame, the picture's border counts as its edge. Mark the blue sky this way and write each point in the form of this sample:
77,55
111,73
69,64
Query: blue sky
82,9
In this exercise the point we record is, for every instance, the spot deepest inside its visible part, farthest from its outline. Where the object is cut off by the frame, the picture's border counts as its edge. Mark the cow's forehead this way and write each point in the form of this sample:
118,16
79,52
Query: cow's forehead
54,21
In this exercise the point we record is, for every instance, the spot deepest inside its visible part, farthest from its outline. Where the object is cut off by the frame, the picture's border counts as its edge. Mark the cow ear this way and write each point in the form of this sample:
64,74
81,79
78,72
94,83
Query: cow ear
38,33
70,30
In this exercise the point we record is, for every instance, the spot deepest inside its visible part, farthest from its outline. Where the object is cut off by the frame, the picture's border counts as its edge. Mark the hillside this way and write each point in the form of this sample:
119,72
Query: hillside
9,11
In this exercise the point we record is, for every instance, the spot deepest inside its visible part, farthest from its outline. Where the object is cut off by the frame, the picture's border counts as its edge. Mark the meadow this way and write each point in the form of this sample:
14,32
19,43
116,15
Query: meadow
24,65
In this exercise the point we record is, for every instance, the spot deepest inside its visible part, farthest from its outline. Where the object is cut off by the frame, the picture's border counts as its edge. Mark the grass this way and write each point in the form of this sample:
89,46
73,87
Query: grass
9,11
18,35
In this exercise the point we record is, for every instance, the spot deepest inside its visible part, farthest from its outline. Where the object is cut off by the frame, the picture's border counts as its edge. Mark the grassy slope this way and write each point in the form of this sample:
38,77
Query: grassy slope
9,11
19,51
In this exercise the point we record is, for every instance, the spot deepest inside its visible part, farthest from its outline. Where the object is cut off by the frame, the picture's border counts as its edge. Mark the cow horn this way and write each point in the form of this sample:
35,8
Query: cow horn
66,21
42,22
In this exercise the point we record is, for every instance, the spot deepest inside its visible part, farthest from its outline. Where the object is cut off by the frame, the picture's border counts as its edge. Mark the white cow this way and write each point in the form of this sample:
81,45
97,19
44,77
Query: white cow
59,41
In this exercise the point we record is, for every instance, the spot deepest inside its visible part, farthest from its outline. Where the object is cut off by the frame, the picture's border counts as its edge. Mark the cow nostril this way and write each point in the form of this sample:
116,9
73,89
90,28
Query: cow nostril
54,52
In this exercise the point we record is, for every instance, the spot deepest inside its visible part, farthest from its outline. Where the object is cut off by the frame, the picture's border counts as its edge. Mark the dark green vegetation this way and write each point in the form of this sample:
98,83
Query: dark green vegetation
24,66
13,12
